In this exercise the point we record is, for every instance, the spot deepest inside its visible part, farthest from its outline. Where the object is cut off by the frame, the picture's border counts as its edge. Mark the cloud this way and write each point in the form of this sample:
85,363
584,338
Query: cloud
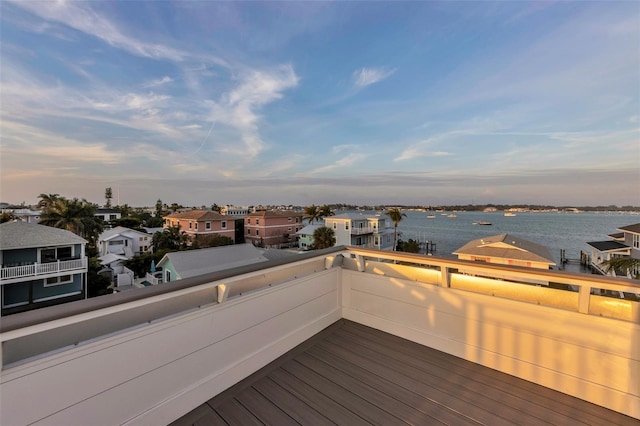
422,149
367,76
159,82
80,16
347,161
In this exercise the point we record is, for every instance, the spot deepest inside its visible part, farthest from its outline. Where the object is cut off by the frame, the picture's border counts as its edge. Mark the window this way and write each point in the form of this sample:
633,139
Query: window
223,224
257,221
248,231
636,241
54,254
167,276
257,232
335,225
190,225
289,229
63,279
289,219
297,220
248,221
207,225
196,226
346,225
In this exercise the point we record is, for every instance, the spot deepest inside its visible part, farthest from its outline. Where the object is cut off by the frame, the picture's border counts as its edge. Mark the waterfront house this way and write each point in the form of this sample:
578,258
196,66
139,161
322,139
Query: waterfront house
202,222
191,263
41,266
272,228
124,241
506,249
358,230
625,243
336,336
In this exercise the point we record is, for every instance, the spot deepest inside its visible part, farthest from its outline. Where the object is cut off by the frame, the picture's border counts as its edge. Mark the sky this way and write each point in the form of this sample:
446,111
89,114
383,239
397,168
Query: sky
246,103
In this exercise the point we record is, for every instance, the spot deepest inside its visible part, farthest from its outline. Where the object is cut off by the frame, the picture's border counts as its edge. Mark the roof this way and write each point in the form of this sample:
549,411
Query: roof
353,216
18,235
617,235
106,210
608,245
110,258
635,228
191,263
197,215
308,230
120,230
507,246
274,213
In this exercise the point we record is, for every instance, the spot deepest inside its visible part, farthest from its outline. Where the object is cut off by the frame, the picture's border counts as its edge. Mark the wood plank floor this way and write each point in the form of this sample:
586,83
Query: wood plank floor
350,374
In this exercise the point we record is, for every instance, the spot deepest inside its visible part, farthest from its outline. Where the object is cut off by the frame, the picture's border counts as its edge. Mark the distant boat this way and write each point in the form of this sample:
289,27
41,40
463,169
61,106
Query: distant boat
431,216
509,214
452,215
481,222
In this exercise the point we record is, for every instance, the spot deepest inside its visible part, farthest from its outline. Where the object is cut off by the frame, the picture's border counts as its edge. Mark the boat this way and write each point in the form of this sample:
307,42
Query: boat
431,216
481,222
452,215
509,214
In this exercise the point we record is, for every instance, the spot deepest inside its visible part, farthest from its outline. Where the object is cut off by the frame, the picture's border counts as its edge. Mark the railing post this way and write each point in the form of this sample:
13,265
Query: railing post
223,292
360,262
584,297
445,277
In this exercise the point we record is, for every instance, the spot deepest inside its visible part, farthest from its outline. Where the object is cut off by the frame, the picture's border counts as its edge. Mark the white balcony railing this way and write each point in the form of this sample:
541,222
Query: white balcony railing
188,340
12,273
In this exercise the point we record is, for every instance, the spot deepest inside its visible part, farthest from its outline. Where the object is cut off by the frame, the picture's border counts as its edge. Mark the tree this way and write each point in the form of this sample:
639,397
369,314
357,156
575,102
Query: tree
47,200
325,211
312,213
108,195
159,208
7,217
216,208
396,217
627,265
210,240
77,216
170,239
410,246
324,237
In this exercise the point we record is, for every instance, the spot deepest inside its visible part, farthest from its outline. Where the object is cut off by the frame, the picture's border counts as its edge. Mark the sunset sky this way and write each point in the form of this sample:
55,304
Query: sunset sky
319,102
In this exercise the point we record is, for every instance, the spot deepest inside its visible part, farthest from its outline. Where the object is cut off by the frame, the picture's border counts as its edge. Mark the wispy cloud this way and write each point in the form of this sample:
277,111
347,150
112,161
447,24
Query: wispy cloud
159,82
367,76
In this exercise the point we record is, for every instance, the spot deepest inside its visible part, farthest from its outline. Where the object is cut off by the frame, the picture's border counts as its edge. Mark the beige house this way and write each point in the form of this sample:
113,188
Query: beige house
506,249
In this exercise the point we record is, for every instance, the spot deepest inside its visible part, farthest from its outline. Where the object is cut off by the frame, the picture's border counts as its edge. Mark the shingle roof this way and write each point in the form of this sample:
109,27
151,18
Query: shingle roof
120,230
608,245
192,263
635,228
507,246
198,215
17,235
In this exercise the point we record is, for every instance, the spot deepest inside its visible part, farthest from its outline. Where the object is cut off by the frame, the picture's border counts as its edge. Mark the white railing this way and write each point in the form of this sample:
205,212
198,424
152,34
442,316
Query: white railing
188,340
38,269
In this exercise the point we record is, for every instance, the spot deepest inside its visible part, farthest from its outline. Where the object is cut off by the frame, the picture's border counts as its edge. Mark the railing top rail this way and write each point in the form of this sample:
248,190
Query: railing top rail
51,313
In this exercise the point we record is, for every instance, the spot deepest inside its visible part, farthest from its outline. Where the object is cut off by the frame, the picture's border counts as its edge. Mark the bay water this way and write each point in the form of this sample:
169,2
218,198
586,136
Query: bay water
554,230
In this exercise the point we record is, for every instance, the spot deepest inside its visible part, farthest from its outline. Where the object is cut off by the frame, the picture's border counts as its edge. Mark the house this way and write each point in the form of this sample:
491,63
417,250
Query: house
305,237
202,222
272,228
108,214
24,215
360,230
191,263
229,210
41,266
124,241
625,243
506,249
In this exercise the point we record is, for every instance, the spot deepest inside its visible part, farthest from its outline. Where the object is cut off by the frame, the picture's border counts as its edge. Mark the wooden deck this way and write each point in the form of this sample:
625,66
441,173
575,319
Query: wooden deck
350,374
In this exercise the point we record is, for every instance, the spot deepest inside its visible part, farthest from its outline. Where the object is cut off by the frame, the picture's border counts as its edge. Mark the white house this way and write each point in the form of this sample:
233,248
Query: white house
124,241
360,230
623,244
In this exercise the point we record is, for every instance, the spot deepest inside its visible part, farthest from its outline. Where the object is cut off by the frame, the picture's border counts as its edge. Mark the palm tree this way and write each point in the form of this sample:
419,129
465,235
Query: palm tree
325,211
312,213
47,200
77,216
626,264
396,217
324,237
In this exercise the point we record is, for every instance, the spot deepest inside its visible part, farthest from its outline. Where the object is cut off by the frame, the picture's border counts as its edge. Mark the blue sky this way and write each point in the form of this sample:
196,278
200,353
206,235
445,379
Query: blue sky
318,102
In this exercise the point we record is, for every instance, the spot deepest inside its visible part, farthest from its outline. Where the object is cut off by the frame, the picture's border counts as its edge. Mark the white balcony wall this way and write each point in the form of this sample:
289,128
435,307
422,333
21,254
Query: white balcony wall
168,366
41,270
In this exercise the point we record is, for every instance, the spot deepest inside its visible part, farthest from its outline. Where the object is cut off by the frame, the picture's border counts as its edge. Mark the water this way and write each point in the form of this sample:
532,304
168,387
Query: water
555,231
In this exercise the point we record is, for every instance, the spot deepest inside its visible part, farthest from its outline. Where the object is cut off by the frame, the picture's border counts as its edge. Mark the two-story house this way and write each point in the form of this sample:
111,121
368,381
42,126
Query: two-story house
272,228
107,214
202,222
41,266
360,230
625,243
124,241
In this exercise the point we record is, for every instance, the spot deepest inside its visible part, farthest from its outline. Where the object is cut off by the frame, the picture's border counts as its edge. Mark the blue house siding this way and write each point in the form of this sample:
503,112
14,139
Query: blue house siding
27,295
19,257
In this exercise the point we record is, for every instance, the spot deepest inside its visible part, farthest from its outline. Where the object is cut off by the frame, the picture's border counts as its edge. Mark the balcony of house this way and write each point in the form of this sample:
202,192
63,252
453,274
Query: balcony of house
363,230
16,273
343,335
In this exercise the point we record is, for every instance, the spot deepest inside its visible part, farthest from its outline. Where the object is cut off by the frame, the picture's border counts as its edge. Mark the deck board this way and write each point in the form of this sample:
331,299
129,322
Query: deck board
350,374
